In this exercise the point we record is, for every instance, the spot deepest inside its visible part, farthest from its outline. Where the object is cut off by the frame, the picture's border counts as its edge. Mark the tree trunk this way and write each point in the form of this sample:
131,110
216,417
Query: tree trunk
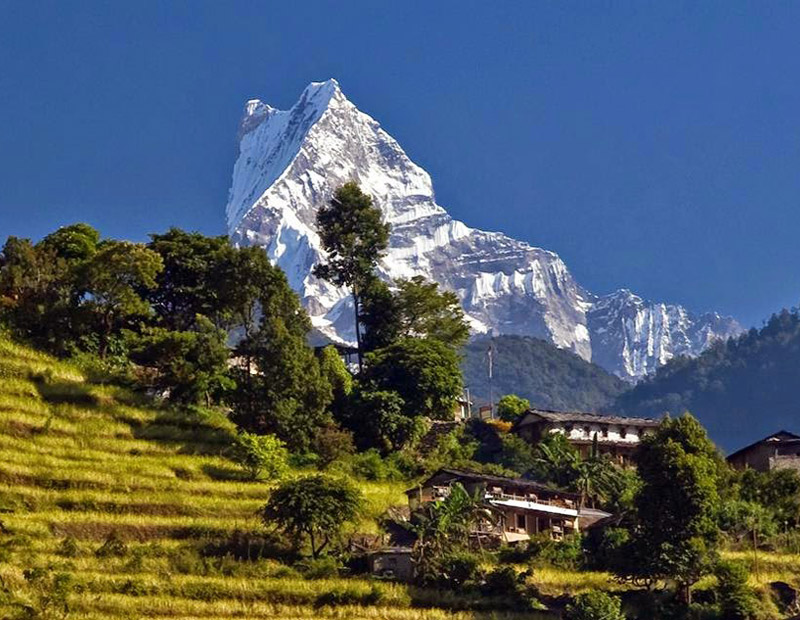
358,328
313,544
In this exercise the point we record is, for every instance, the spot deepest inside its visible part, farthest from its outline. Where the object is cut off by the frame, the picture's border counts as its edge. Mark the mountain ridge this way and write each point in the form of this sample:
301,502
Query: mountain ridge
291,161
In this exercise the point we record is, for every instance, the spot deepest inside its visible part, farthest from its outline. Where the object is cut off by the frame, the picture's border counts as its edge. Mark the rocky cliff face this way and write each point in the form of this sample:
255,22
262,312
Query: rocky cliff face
291,161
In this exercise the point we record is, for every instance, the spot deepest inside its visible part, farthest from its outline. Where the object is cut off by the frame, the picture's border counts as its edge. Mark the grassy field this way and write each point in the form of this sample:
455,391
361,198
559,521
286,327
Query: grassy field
123,510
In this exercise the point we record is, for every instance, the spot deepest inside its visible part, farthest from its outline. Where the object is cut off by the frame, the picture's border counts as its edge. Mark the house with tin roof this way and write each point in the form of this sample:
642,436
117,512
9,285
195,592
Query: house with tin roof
617,436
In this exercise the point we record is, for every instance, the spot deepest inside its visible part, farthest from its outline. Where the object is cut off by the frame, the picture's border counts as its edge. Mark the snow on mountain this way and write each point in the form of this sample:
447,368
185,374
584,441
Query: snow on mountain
290,162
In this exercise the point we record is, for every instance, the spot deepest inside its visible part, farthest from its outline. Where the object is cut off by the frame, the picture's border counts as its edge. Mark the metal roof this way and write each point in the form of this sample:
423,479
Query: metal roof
500,480
578,417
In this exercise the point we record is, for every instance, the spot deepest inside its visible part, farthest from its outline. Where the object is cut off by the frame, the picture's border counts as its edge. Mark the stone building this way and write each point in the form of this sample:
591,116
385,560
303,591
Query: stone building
615,435
778,451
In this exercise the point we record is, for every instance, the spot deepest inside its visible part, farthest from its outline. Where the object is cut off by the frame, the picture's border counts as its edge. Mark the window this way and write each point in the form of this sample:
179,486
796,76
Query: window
605,431
586,430
623,432
521,522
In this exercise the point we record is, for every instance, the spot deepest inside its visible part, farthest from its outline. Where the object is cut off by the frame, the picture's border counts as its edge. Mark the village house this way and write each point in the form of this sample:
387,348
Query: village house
523,507
778,451
614,435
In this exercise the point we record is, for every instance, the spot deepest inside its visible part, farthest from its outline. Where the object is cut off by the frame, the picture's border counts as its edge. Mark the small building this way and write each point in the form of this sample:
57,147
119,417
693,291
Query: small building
392,563
778,451
523,507
617,436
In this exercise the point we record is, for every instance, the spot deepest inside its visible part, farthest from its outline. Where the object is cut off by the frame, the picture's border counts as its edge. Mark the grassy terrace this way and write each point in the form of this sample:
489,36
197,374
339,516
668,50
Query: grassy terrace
80,463
83,462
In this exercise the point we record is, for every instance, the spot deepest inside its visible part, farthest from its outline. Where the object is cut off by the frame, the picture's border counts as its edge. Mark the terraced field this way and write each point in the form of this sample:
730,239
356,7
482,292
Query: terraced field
110,508
113,508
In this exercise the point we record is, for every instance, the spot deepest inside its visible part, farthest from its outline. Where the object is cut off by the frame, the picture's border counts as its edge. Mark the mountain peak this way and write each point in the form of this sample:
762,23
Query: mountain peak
290,163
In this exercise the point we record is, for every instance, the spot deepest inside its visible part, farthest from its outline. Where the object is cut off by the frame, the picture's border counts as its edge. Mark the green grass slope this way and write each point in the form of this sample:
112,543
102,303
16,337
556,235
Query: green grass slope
82,464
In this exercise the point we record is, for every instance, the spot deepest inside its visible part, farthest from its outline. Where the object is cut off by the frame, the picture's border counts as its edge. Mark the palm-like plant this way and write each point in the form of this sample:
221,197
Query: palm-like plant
445,526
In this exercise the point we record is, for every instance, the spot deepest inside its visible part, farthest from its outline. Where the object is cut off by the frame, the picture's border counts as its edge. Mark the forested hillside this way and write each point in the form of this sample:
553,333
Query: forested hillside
547,376
740,390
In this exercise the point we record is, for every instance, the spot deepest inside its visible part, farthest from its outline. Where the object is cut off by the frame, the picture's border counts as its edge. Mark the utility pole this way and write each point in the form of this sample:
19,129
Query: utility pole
491,372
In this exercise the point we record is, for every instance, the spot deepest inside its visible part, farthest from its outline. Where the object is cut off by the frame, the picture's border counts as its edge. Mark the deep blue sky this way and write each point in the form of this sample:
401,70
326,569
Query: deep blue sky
654,146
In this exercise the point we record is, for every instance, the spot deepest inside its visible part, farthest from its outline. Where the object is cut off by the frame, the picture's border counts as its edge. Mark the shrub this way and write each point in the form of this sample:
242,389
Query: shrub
370,465
113,546
458,568
320,568
261,455
566,553
332,443
605,548
504,581
594,605
737,600
68,547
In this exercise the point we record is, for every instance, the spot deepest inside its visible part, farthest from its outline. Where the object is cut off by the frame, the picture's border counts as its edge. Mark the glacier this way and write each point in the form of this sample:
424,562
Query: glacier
291,161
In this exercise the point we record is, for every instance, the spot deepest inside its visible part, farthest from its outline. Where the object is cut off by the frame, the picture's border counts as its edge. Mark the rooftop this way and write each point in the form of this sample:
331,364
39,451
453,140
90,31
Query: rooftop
472,476
574,417
782,437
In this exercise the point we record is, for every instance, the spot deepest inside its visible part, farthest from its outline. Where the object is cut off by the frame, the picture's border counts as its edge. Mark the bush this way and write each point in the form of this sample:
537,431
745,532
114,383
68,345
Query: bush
68,548
113,546
458,568
605,548
737,600
504,581
566,553
261,455
320,568
332,443
594,605
370,465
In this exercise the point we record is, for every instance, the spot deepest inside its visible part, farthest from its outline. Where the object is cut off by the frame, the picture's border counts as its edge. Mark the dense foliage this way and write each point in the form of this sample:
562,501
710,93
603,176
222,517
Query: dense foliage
314,507
677,531
355,237
732,385
547,376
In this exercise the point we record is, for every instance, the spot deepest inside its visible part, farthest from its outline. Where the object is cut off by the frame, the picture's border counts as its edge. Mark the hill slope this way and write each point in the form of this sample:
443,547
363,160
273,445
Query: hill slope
549,377
741,390
86,464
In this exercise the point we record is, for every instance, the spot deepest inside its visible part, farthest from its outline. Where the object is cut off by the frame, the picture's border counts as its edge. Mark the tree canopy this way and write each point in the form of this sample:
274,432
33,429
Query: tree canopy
354,236
313,508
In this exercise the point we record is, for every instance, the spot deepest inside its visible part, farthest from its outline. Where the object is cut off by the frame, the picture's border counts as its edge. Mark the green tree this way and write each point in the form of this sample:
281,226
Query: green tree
677,529
191,282
40,289
378,419
777,490
280,386
379,315
595,605
77,242
261,455
423,372
313,508
416,309
354,236
510,407
736,598
113,279
191,365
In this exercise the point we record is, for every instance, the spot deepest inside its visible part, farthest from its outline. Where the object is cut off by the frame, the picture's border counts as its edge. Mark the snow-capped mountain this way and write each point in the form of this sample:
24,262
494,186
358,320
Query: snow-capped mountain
291,161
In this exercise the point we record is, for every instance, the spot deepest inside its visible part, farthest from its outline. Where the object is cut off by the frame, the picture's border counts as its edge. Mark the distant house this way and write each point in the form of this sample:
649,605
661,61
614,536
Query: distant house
778,451
392,563
523,507
615,435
